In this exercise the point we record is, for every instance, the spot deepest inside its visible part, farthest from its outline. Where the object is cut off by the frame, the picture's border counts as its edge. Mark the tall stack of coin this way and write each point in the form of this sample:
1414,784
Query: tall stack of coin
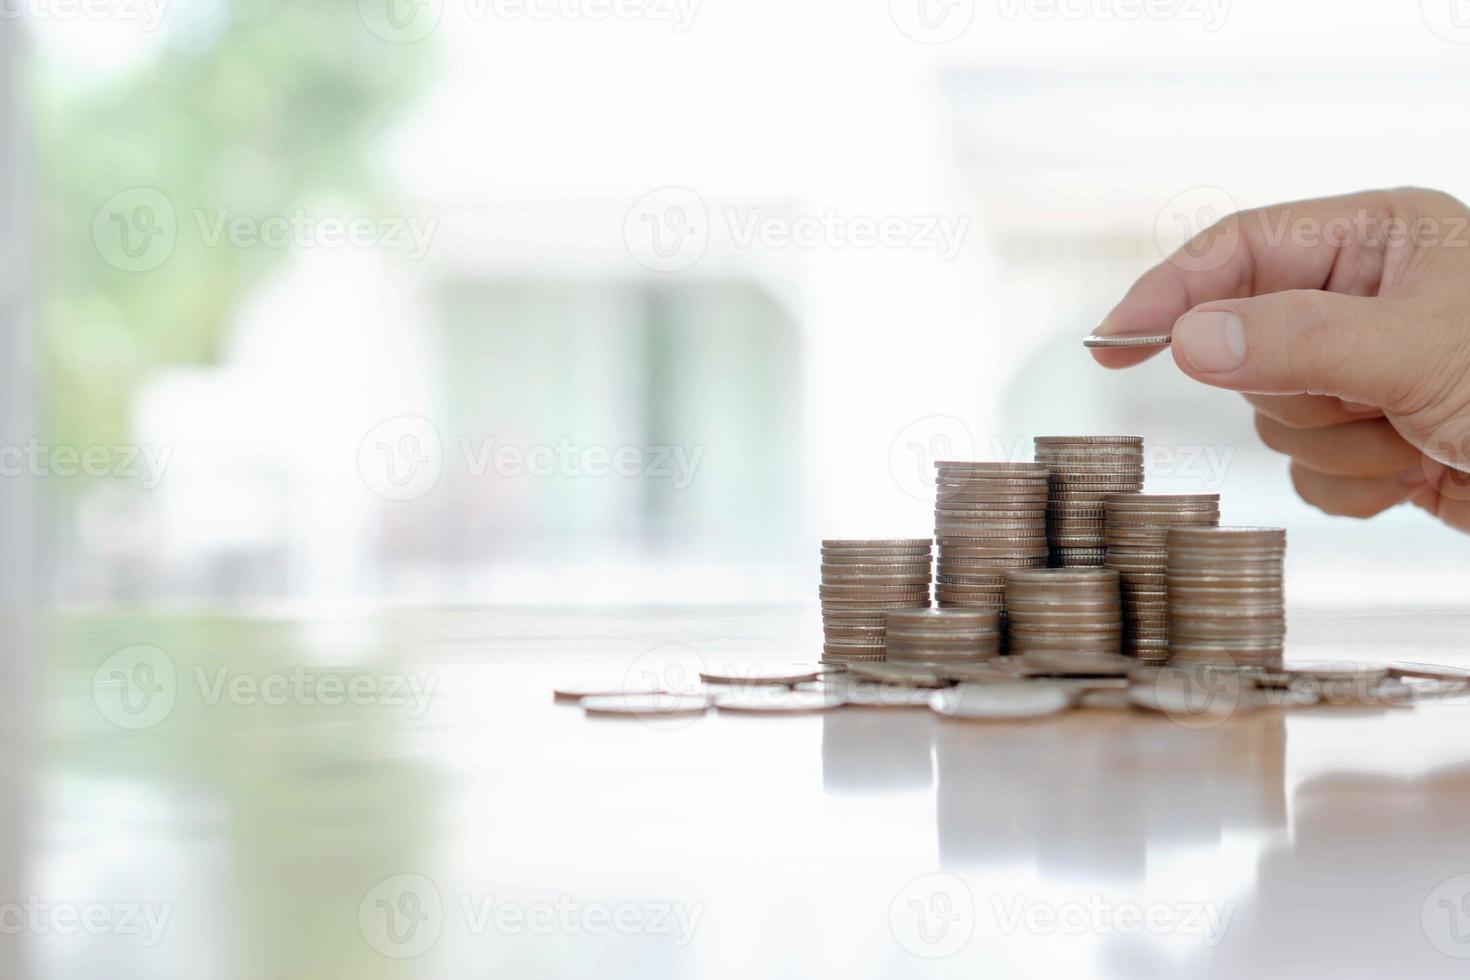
861,581
943,636
1084,470
988,519
1065,610
1226,599
1137,528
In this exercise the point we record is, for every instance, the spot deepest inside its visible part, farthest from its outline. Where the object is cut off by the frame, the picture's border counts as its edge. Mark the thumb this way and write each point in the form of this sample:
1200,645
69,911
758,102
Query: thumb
1302,342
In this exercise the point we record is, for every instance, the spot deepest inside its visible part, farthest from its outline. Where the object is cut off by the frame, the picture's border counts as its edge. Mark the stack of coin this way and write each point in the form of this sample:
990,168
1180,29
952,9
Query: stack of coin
1064,610
943,636
1137,526
862,580
1084,470
1226,601
988,518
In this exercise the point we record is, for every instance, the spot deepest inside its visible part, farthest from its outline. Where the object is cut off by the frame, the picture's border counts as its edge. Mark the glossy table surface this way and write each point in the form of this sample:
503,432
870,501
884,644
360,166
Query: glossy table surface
396,794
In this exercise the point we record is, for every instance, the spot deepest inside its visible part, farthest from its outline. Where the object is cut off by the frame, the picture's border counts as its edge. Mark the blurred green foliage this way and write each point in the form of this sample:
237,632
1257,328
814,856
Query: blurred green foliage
258,108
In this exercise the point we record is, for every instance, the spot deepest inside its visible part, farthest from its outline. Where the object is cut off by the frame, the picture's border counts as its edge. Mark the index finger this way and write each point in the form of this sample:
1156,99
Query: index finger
1252,253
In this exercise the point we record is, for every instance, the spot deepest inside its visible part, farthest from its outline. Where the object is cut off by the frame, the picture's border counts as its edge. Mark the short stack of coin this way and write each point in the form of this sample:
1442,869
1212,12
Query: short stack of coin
1067,610
1137,528
1226,599
861,581
943,636
1084,470
989,518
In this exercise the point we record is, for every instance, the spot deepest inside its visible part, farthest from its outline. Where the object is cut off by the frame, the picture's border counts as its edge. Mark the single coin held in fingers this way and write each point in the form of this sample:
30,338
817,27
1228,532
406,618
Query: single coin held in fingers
1127,340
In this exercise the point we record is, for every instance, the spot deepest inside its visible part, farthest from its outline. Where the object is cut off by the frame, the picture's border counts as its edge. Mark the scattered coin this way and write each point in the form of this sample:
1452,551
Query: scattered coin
772,700
1058,664
576,692
780,674
1001,702
647,705
1429,672
1107,699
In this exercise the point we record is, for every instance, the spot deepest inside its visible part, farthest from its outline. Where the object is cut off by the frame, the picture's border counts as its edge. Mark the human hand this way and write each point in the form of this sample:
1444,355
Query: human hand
1346,323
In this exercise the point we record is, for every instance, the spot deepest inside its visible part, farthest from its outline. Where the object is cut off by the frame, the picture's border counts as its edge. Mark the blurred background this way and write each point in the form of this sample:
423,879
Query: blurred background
554,301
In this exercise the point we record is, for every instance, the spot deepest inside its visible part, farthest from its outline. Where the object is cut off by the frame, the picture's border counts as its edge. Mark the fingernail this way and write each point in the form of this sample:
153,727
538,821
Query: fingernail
1414,476
1211,342
1358,408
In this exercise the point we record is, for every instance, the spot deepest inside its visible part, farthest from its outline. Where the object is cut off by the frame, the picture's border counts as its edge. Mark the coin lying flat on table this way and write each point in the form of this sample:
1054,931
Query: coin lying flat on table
647,705
577,692
778,674
770,700
1001,702
1122,341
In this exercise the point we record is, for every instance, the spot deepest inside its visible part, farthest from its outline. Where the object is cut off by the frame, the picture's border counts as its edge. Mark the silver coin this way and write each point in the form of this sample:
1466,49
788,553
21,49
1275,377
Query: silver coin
1429,672
772,700
577,692
1001,702
1124,341
647,705
782,674
1075,664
